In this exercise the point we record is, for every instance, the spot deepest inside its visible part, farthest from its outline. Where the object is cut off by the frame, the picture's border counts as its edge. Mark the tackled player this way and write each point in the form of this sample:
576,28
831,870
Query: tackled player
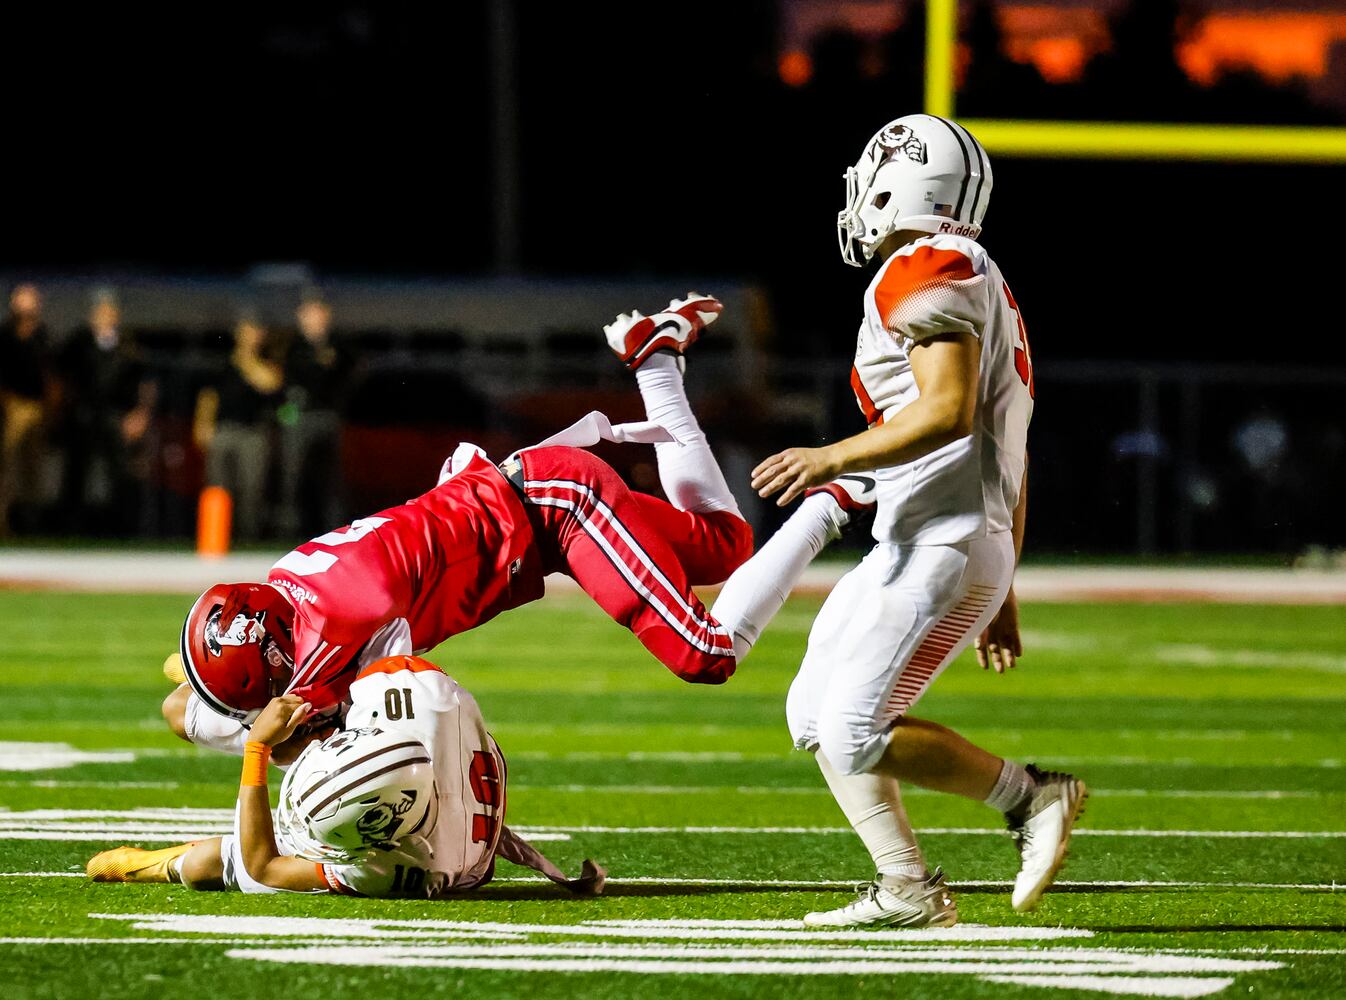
408,801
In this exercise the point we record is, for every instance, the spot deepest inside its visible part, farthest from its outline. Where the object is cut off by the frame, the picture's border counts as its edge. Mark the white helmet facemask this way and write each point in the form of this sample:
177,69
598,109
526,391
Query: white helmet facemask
918,173
357,792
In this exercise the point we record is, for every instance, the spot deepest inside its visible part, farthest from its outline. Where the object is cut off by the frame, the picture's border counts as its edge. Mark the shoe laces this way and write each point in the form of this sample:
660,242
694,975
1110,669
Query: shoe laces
1042,777
866,892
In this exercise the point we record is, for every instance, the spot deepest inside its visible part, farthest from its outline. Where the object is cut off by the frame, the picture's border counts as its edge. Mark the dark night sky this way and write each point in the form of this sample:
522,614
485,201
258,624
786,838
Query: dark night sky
361,141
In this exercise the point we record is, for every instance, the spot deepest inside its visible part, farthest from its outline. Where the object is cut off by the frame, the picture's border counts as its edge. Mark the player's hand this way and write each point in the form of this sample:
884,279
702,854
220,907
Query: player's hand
1000,643
315,730
281,717
794,470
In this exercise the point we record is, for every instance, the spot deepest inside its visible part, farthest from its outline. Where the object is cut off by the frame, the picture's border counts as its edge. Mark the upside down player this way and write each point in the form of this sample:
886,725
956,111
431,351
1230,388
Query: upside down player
408,801
481,542
944,378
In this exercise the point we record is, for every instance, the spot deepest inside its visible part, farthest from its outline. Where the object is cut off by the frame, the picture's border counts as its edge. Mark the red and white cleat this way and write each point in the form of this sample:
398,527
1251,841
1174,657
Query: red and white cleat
633,337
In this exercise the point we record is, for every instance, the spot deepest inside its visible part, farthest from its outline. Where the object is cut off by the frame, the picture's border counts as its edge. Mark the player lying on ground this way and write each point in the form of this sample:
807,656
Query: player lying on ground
945,380
409,801
481,542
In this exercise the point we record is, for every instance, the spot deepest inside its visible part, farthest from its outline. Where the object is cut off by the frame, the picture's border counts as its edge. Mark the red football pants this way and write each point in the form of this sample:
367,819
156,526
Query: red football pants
637,556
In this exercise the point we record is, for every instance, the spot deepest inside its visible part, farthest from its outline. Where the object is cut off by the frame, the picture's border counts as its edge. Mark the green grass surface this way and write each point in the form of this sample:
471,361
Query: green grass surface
1187,721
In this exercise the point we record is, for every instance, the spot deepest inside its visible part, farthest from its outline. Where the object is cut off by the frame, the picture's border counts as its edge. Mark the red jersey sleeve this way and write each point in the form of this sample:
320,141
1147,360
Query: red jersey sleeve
435,566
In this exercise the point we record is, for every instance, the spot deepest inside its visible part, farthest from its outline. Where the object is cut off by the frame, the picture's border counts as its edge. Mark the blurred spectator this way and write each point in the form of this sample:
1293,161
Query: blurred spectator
24,393
233,423
316,374
108,402
1262,442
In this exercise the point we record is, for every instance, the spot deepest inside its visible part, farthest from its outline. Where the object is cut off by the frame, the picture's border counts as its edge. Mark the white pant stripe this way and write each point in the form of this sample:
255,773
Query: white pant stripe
590,528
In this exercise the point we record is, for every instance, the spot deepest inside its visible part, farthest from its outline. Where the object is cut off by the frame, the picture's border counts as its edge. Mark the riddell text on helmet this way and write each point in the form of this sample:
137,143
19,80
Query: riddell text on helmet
959,229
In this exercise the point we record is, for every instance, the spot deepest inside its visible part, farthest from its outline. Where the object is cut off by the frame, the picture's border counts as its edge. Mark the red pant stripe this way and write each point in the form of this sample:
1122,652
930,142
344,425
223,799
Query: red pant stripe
948,632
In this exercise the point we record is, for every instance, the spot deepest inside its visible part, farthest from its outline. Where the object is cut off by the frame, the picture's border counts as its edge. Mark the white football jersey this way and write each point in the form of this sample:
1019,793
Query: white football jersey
416,698
968,488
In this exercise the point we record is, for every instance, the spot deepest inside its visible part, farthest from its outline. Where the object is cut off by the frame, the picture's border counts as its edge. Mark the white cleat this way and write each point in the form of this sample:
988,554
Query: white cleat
891,901
856,496
1042,833
634,337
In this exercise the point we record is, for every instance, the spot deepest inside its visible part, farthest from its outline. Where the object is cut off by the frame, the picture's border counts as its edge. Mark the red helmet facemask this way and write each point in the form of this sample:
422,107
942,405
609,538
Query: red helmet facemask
237,648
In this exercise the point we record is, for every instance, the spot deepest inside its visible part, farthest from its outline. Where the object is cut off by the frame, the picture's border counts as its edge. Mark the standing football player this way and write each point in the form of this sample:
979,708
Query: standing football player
408,802
944,378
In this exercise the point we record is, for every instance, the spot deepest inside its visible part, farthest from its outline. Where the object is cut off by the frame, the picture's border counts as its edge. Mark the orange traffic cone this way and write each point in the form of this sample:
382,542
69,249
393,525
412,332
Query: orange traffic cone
214,517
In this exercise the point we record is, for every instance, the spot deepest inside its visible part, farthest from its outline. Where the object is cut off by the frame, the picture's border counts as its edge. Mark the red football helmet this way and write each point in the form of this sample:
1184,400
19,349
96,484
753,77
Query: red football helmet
237,647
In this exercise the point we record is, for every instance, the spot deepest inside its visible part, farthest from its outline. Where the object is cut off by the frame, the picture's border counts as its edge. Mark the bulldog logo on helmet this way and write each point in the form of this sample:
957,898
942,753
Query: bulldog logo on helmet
901,139
242,631
376,824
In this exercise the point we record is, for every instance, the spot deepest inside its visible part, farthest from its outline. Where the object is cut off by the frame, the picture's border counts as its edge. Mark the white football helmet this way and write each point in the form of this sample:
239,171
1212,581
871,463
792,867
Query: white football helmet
357,791
918,172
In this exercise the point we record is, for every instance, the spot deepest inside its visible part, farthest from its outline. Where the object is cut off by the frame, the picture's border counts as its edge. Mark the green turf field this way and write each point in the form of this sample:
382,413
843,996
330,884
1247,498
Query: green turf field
1211,736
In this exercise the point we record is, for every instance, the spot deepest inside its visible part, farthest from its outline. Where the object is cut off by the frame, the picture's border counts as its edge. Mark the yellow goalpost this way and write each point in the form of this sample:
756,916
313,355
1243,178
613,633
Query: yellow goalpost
1130,141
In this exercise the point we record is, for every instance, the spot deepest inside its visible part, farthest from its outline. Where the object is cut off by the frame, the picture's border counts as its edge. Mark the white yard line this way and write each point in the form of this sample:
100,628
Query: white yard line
382,930
969,831
125,940
74,824
93,784
16,756
729,757
846,884
820,789
153,835
735,757
1197,655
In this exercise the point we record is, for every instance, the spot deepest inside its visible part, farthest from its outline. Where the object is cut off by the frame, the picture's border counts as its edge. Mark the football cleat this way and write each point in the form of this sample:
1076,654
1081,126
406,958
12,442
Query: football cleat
893,901
634,337
173,669
1042,833
132,864
855,495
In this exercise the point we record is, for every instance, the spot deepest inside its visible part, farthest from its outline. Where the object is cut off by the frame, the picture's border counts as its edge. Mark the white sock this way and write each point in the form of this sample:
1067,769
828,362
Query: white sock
1012,789
691,477
872,803
175,870
207,728
754,593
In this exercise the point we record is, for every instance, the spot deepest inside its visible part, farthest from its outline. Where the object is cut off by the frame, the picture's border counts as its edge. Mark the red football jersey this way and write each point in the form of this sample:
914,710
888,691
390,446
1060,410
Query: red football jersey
407,578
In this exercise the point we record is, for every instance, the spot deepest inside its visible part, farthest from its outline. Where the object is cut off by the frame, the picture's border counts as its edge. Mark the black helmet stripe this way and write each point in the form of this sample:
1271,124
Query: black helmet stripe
981,173
967,168
327,778
421,758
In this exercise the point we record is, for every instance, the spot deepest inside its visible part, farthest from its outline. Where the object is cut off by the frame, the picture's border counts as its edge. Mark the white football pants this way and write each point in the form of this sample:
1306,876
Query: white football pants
884,634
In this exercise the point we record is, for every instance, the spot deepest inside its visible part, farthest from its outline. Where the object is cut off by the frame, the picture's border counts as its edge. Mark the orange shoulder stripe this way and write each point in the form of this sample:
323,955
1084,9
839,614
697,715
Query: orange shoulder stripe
394,664
910,272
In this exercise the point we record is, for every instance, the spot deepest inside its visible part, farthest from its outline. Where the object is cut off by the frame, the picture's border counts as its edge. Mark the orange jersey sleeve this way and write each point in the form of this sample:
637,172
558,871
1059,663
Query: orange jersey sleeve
929,290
